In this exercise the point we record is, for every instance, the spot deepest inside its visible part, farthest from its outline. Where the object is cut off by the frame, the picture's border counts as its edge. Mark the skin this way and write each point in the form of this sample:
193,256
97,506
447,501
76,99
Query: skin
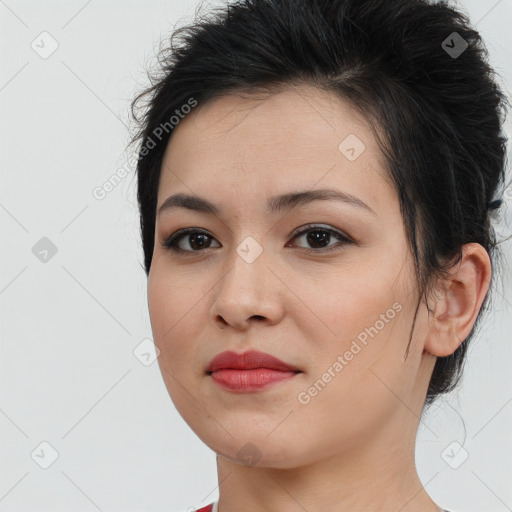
351,447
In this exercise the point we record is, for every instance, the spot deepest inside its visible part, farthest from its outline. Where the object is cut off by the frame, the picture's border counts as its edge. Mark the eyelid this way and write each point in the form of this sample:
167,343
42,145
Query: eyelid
310,227
171,243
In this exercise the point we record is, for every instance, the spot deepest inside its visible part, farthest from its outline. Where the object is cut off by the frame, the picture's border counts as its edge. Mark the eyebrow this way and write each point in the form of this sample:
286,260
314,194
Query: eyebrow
275,205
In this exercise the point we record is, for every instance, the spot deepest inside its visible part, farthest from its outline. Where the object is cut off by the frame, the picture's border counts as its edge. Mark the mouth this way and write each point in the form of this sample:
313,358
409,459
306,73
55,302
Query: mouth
249,371
255,379
249,360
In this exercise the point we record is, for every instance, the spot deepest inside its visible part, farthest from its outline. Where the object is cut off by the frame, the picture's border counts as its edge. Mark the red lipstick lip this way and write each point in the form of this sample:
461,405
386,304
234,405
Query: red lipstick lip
248,361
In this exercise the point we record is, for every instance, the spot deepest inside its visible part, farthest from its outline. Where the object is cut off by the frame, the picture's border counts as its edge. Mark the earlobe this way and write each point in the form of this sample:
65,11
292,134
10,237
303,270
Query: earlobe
456,306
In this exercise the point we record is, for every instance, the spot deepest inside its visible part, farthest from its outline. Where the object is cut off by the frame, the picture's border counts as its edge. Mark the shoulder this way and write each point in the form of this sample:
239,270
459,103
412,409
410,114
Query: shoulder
212,507
208,508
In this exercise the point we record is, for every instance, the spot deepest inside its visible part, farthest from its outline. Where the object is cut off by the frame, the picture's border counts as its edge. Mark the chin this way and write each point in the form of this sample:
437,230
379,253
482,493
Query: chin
257,451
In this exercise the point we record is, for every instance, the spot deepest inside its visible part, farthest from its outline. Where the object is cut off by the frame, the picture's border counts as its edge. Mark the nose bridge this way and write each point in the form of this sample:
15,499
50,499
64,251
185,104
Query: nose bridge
248,269
244,291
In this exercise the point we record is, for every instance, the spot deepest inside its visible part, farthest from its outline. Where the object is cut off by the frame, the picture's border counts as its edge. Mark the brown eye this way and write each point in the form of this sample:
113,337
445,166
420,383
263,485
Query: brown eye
318,238
196,240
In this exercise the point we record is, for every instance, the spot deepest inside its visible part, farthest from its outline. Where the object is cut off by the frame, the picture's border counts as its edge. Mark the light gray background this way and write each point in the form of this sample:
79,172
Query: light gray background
69,325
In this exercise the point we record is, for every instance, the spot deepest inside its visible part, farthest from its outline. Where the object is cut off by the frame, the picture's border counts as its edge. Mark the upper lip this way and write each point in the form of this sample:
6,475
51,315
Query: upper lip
248,361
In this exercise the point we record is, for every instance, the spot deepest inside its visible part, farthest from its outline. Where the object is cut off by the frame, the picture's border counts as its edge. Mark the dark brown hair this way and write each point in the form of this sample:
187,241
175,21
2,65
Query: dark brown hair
417,71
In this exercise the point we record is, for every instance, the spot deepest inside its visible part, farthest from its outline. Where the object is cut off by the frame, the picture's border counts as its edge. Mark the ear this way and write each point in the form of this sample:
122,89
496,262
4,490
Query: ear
458,302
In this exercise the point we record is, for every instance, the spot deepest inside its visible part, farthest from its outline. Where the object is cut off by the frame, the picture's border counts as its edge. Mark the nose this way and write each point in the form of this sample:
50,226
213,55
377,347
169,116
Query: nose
248,293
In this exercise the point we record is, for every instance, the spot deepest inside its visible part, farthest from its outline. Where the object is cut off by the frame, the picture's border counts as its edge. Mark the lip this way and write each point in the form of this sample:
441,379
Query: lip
249,360
250,371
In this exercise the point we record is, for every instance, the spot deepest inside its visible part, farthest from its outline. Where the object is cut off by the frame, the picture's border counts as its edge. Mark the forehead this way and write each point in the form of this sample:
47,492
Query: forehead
298,138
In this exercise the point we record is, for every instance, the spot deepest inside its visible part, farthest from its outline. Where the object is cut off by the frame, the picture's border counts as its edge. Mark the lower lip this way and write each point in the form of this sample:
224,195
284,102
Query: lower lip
249,380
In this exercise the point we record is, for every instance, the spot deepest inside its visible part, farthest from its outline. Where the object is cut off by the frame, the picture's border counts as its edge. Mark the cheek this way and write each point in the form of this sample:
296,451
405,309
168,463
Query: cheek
352,299
174,306
160,300
173,309
366,308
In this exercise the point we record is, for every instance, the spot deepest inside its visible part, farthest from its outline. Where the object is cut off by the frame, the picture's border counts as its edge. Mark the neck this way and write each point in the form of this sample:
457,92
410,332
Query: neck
378,476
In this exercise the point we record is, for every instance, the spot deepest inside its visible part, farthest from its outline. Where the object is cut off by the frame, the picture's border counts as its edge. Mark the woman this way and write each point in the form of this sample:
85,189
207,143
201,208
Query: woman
315,183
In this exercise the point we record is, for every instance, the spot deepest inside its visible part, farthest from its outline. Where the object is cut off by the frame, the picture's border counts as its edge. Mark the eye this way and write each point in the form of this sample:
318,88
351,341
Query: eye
197,240
319,238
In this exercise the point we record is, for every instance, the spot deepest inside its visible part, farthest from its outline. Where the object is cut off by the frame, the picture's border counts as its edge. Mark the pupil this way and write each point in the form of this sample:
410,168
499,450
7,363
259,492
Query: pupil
323,237
194,239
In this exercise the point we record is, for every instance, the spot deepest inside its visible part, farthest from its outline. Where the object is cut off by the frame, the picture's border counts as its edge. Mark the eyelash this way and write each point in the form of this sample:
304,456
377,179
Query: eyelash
172,242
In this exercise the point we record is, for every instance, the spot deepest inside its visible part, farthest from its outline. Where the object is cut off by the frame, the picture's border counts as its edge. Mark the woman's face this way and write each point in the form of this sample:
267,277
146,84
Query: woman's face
339,311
